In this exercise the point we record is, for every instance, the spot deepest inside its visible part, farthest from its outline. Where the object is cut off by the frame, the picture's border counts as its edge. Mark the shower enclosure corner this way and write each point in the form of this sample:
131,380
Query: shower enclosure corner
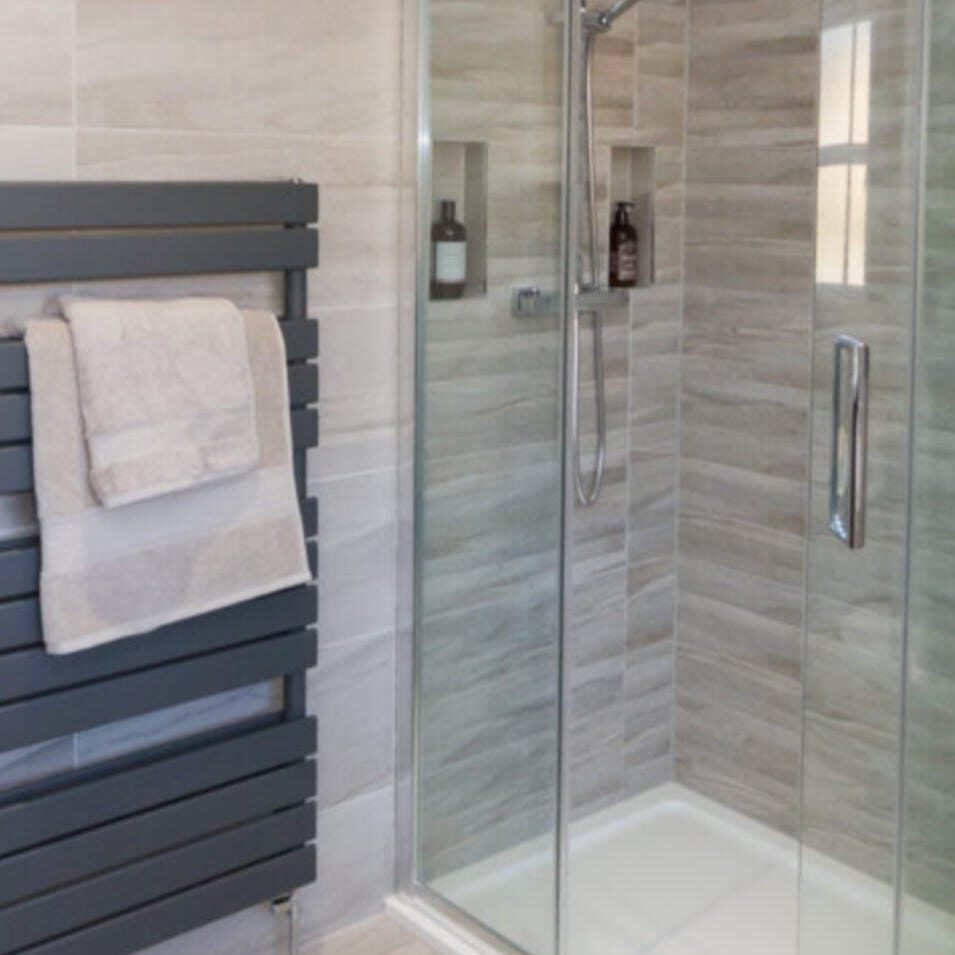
647,706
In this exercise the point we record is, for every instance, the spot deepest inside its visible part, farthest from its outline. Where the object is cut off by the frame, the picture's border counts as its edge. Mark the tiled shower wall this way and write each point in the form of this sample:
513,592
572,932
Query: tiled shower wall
853,674
487,632
709,393
753,316
624,572
492,495
751,157
241,89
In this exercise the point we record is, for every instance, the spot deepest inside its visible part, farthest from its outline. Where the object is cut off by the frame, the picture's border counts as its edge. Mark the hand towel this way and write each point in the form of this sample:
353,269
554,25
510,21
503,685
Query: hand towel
111,573
166,394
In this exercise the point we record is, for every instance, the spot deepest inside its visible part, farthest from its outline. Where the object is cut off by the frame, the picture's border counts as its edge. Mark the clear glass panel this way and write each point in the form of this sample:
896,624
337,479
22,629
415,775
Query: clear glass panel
490,463
928,823
865,286
640,867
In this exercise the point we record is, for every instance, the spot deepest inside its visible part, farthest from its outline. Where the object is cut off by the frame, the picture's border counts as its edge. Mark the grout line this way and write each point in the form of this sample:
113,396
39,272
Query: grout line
323,311
241,133
318,480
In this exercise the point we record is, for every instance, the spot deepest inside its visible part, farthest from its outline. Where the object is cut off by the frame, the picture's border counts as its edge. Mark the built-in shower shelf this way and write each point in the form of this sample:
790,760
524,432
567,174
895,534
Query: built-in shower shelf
633,179
459,173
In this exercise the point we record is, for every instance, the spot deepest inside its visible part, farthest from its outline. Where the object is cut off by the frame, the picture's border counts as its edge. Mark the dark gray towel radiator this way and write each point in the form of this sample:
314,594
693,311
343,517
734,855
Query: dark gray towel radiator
109,859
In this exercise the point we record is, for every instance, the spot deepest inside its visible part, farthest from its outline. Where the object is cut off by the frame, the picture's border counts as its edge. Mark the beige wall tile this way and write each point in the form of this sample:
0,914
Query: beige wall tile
358,391
318,68
36,50
745,400
359,193
246,90
37,153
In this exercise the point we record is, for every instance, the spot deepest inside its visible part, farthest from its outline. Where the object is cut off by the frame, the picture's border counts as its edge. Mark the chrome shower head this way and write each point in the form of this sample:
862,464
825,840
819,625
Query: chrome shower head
600,21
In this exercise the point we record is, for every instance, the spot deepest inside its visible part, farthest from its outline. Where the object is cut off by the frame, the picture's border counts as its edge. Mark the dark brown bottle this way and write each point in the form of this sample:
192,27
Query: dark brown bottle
449,254
623,249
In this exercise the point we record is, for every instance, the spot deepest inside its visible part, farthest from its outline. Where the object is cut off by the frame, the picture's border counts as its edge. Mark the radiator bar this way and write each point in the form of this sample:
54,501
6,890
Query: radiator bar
69,711
187,910
33,671
116,844
141,787
79,257
111,893
126,205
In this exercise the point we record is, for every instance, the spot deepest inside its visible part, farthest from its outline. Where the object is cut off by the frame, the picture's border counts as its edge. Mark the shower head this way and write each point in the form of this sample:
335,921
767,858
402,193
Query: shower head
600,21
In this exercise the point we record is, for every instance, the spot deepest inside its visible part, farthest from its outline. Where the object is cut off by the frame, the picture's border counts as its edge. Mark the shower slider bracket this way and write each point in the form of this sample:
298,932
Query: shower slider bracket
533,302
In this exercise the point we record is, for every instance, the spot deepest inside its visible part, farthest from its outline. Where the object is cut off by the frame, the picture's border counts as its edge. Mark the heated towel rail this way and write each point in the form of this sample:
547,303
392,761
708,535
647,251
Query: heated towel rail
111,858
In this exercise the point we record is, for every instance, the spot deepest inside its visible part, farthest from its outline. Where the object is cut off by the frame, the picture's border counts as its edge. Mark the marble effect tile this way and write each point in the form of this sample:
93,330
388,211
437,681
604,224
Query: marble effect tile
744,402
230,67
358,402
352,693
355,864
36,48
357,556
488,745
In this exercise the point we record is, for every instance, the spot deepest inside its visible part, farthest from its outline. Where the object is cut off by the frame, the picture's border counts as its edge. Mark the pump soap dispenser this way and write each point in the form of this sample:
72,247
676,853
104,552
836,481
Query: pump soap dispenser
624,262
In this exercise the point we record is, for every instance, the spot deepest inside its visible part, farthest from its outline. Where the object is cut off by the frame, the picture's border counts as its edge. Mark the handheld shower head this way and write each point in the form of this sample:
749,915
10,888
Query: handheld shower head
600,21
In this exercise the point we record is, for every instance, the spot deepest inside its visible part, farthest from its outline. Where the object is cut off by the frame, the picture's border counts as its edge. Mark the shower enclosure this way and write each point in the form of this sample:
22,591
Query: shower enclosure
683,661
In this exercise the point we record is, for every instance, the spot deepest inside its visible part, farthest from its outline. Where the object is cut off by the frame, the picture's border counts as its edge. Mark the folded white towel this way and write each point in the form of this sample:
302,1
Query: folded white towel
166,394
112,573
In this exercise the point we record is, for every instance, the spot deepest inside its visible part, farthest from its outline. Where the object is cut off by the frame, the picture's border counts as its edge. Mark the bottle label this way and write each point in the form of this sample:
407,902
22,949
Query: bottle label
627,262
450,262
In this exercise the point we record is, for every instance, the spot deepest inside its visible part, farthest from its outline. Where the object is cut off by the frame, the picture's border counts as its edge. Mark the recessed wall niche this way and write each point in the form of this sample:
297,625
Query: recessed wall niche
633,179
459,173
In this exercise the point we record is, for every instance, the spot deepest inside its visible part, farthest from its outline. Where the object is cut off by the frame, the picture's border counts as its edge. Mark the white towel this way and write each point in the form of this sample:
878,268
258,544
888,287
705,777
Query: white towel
166,394
108,574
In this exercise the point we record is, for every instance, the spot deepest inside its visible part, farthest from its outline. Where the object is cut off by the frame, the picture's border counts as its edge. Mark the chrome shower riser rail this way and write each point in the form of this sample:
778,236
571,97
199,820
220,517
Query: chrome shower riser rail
587,497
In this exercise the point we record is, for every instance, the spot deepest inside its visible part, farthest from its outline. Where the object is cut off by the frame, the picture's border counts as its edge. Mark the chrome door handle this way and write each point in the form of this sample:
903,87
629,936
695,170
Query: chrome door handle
850,422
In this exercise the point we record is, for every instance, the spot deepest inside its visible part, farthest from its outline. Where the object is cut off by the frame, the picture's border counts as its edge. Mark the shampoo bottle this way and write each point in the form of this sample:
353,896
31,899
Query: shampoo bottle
623,249
449,255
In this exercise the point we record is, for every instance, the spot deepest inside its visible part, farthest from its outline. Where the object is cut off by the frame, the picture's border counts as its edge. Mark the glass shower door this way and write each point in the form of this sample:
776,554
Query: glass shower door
878,808
927,849
490,462
866,281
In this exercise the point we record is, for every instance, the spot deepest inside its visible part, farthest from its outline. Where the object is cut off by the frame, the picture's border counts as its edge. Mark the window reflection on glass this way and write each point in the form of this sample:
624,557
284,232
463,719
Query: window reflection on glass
846,75
841,224
857,214
846,71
